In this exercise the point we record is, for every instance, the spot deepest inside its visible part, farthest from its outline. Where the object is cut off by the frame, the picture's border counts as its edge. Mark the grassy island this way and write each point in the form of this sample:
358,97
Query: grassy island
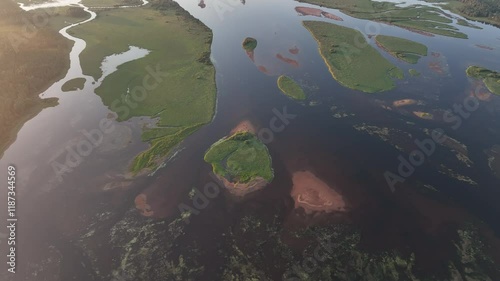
414,72
241,158
291,88
73,85
354,65
403,49
490,78
183,99
249,44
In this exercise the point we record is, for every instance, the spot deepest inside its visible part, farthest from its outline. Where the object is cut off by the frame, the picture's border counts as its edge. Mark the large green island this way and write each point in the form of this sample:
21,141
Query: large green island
351,60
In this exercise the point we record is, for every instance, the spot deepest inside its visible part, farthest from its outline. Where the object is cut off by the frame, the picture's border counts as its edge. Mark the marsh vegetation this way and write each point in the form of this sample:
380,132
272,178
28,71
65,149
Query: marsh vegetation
353,64
183,98
403,49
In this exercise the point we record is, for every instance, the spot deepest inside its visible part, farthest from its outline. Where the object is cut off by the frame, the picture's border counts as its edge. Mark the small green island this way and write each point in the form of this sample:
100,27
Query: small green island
249,44
403,49
463,22
242,162
73,85
291,88
351,60
490,78
414,72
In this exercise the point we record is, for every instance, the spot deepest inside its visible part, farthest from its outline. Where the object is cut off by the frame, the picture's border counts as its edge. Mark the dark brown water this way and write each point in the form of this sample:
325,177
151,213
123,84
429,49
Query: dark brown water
57,213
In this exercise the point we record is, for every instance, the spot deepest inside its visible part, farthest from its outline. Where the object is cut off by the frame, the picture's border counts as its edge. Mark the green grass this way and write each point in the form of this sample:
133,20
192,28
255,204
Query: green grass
414,72
160,148
240,158
73,85
249,44
425,19
291,88
406,50
351,60
155,133
179,45
490,78
463,22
